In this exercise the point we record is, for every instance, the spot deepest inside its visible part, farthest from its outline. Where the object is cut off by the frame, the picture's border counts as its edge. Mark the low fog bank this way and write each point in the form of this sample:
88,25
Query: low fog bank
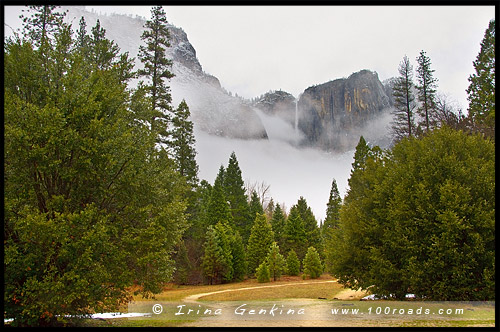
291,172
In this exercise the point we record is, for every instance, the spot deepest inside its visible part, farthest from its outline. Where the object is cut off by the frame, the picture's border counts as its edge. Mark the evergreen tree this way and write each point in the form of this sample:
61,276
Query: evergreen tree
82,38
214,261
295,234
42,23
292,264
270,209
157,71
182,144
424,214
239,257
313,234
218,208
194,236
262,273
332,209
278,225
224,237
362,153
255,205
312,264
182,264
234,188
87,199
481,91
261,238
275,262
404,102
200,220
426,86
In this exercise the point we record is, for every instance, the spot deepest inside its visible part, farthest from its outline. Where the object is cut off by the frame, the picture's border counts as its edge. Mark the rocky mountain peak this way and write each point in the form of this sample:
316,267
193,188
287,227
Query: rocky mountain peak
331,114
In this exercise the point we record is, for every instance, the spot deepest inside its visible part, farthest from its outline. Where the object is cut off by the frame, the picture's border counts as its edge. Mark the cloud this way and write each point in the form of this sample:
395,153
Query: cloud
291,172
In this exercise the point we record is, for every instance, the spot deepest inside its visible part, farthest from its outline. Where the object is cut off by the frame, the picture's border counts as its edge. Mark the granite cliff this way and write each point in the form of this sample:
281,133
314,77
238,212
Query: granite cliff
331,115
213,109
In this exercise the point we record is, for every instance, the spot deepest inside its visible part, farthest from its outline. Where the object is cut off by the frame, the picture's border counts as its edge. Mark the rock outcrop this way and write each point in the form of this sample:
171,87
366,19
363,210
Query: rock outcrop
332,115
213,109
278,103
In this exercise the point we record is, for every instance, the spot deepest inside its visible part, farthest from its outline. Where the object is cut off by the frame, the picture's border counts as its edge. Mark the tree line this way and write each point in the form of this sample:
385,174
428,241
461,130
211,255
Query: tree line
231,234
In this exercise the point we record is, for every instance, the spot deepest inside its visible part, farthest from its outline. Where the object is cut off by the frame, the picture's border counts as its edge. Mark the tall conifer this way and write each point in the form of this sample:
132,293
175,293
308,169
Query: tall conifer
157,72
278,225
332,209
182,144
481,91
295,233
403,124
426,86
261,238
235,193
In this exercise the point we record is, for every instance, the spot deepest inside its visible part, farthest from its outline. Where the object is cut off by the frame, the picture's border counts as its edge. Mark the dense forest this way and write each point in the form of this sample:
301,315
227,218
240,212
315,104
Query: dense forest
102,189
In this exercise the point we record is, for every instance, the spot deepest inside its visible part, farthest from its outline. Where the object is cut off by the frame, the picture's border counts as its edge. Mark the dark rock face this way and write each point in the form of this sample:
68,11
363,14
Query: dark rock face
332,114
278,103
183,53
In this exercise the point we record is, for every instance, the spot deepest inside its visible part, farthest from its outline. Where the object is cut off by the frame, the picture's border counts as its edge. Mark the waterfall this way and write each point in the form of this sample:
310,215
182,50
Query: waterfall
278,129
298,136
296,114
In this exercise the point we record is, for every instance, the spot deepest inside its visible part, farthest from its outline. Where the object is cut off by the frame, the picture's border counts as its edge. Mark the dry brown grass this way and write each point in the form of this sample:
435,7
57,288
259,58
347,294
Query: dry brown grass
174,293
313,290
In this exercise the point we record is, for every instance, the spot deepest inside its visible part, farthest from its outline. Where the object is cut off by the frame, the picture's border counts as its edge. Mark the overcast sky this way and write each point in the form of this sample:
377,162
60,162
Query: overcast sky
254,49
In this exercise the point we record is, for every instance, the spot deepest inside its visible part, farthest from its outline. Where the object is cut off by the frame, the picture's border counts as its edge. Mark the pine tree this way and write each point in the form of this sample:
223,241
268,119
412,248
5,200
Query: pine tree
292,264
157,70
218,208
88,200
295,234
42,23
239,257
82,38
275,262
312,264
426,86
404,102
362,153
313,234
255,205
261,238
278,225
262,273
182,264
224,238
270,209
481,91
332,210
182,144
213,262
234,188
